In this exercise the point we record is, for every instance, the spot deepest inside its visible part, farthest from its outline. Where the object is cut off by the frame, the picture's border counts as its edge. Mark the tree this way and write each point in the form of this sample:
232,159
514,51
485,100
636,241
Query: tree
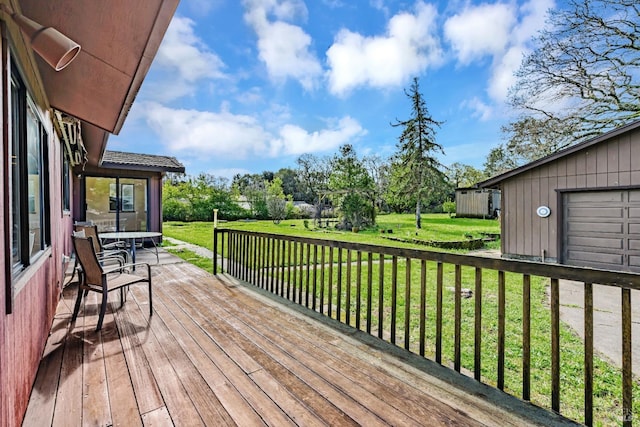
313,174
581,78
276,200
464,176
416,167
350,186
498,161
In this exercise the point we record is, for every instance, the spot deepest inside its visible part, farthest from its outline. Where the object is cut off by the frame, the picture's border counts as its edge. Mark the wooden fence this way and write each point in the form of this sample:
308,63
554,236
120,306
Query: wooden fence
400,295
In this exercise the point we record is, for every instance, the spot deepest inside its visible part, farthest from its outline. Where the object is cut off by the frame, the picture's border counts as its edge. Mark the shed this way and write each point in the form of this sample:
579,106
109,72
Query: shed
579,206
477,202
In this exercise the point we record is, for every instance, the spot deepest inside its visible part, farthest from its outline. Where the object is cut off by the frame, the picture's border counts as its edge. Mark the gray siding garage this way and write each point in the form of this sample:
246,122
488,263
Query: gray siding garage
580,206
602,229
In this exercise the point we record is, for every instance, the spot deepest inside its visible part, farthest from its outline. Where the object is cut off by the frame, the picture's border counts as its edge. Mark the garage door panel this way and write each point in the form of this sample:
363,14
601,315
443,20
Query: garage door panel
596,257
597,196
602,229
596,227
634,196
596,242
591,212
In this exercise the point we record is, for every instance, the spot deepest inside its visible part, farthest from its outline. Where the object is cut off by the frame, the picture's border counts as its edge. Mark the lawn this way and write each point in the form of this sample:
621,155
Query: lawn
438,227
607,387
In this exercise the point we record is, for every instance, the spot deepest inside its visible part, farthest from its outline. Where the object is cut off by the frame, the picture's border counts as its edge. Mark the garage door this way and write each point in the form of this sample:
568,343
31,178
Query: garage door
602,229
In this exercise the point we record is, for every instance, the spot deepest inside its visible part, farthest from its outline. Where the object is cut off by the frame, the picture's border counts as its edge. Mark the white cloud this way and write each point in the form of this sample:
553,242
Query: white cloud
187,58
480,110
205,134
499,31
284,48
295,140
408,47
228,173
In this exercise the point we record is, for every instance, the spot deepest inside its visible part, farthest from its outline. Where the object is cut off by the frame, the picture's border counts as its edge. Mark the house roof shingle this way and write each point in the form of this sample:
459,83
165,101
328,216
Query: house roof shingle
136,161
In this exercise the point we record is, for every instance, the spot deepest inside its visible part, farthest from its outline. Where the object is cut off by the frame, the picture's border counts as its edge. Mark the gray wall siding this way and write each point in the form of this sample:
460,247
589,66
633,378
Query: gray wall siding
610,164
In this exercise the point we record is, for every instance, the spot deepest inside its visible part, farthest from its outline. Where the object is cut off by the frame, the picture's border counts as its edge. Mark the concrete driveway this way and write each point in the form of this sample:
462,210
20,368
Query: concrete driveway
607,319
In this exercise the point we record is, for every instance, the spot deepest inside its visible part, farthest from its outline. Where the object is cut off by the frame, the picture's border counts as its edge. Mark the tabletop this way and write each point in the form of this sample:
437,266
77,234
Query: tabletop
130,235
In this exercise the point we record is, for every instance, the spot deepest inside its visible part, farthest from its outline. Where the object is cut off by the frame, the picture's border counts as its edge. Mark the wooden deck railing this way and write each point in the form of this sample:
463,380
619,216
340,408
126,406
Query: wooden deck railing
364,286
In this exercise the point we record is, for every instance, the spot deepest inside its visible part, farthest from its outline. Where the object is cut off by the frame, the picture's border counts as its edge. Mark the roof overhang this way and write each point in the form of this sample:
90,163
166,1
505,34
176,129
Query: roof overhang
498,179
119,39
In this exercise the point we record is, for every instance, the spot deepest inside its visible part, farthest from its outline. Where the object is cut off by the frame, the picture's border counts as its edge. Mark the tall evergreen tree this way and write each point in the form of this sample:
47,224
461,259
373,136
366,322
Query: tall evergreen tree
414,162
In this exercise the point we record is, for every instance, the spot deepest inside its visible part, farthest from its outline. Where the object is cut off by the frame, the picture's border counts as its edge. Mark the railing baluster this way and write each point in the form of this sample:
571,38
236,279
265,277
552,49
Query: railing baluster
347,305
295,271
330,290
315,276
308,278
555,345
282,268
275,254
369,289
407,304
423,304
457,318
477,359
276,266
394,296
627,374
301,278
222,254
501,328
288,292
322,279
256,241
439,280
381,296
358,285
215,251
339,289
526,337
588,354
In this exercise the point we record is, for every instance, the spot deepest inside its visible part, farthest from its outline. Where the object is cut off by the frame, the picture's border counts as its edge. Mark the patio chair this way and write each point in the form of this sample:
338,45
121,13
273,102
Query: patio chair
102,249
97,278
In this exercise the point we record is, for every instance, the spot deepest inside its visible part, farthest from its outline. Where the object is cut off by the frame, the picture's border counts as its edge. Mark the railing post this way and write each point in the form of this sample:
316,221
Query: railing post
215,251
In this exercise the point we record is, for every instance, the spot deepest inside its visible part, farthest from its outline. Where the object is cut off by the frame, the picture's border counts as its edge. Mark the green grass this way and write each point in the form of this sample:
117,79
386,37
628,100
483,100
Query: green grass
193,258
434,227
608,383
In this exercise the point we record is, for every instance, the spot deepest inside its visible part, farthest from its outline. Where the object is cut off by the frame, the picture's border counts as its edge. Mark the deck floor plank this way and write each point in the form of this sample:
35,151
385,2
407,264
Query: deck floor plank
229,391
122,397
177,401
220,352
322,408
323,382
132,337
394,397
96,410
42,402
182,353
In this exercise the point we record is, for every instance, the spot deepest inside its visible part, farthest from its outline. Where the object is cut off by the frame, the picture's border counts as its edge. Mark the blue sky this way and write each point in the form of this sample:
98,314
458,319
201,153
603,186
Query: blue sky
247,86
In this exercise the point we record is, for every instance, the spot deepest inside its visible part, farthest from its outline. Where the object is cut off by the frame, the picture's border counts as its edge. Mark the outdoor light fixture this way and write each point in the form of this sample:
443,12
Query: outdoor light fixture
54,47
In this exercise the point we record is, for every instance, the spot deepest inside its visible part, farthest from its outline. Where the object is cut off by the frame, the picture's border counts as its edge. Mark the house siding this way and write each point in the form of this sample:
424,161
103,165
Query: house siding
24,330
611,164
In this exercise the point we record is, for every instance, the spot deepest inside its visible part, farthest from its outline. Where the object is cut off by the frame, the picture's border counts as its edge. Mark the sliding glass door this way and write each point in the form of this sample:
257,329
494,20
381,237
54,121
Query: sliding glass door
116,204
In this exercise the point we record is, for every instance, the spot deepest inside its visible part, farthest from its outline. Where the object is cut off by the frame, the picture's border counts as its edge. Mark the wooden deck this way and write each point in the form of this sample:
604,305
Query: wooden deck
217,352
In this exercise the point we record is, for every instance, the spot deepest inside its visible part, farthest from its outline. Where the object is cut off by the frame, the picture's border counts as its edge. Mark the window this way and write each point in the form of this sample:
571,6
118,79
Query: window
127,197
28,182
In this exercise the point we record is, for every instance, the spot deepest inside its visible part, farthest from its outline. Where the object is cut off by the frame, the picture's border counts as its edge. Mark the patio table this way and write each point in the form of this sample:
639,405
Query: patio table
131,237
